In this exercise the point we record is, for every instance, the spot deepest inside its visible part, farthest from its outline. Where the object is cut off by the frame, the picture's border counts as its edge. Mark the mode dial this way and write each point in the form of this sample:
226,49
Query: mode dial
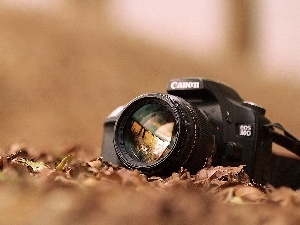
260,110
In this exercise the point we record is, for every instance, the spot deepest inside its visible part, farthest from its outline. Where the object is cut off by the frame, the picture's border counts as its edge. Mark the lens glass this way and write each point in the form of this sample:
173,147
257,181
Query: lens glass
151,133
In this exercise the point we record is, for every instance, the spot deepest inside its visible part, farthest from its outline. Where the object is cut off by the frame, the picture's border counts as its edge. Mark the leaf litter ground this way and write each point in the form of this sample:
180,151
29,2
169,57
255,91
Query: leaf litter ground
40,187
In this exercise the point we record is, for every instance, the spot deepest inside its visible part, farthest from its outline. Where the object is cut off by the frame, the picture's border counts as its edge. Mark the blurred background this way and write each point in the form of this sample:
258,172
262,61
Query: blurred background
66,64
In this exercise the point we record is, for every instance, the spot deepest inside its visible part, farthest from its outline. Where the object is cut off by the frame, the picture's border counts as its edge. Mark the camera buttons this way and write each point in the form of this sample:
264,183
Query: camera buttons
228,118
233,151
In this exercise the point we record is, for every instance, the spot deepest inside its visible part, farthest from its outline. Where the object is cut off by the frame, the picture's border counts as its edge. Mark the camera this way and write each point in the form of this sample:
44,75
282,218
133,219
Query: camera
198,122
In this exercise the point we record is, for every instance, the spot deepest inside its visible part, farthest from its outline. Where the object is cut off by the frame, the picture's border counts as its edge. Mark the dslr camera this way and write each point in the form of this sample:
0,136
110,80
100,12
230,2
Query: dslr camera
198,123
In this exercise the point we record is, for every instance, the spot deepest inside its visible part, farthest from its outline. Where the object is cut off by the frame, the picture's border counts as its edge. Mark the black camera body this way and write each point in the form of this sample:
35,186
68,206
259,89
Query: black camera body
198,122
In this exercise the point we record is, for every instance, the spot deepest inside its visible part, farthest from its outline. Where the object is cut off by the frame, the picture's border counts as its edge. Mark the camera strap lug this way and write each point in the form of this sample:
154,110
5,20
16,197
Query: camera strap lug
284,139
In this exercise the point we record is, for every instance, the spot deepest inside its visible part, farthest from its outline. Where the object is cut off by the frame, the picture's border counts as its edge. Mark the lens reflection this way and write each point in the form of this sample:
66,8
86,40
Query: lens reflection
152,132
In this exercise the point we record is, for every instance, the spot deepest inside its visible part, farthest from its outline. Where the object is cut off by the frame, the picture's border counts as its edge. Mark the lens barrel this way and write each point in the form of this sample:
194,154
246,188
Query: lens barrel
160,133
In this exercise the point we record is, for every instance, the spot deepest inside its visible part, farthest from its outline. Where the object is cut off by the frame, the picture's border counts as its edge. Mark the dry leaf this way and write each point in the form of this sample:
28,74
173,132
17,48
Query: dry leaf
33,167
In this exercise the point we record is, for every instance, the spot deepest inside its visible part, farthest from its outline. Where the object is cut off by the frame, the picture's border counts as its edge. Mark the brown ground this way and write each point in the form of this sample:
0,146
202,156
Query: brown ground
62,73
38,187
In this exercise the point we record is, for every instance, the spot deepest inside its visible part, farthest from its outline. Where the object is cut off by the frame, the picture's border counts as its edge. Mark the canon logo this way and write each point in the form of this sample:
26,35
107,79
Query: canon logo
183,85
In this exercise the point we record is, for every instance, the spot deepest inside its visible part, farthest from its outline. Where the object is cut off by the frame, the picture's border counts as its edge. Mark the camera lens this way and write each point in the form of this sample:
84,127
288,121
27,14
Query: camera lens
151,133
160,133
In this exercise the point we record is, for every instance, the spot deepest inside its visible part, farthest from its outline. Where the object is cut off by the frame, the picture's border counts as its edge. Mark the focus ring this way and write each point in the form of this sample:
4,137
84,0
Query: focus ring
203,140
